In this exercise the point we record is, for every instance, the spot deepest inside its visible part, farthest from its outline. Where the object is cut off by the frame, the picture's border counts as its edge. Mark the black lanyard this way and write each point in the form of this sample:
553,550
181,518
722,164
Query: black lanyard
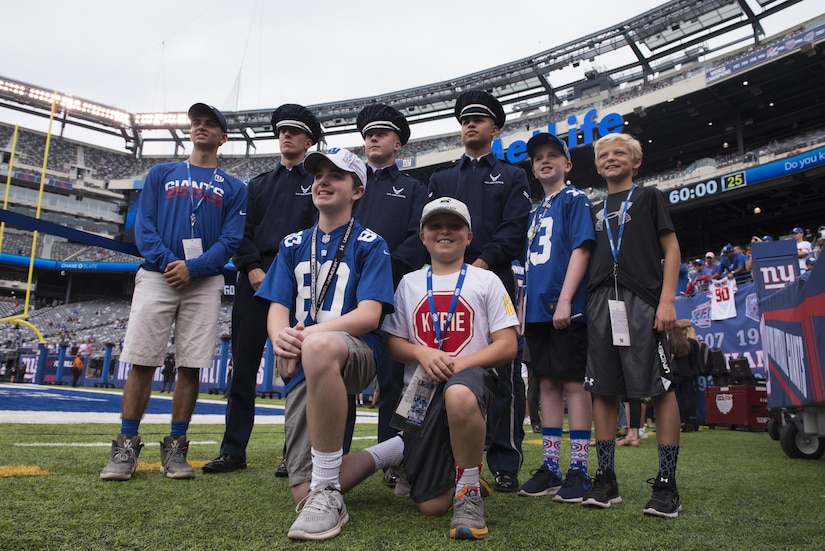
318,300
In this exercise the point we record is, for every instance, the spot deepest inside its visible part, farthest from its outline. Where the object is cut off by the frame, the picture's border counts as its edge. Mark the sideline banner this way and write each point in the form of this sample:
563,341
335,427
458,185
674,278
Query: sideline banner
794,334
737,337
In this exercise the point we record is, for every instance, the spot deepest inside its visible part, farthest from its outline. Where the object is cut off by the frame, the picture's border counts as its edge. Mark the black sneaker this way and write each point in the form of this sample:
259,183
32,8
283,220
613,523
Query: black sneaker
224,464
506,481
665,501
604,492
282,471
390,477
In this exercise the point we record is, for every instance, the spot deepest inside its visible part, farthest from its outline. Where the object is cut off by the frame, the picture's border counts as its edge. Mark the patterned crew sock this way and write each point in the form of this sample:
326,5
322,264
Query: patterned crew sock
579,449
326,469
605,453
467,478
551,445
129,427
179,428
387,453
668,456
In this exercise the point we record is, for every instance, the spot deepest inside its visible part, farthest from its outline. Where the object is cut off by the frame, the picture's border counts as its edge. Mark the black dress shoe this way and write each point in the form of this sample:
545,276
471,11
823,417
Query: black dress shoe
506,482
282,471
224,464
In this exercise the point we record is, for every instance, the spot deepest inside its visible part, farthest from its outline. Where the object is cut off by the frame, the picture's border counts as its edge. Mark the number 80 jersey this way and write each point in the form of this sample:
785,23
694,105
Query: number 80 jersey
365,273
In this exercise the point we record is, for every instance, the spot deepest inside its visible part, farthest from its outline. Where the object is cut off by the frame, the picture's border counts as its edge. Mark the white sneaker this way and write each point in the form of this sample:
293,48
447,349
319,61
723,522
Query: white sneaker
322,514
643,433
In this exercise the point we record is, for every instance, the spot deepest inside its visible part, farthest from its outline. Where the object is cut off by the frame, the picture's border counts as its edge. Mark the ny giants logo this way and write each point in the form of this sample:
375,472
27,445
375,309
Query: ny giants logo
776,277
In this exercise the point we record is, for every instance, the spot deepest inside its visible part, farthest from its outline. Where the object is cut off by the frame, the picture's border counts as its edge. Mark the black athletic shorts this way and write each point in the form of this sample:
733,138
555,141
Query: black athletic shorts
428,456
558,354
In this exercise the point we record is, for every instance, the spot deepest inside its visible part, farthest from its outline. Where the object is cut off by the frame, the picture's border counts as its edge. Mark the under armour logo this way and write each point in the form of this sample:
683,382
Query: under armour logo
588,381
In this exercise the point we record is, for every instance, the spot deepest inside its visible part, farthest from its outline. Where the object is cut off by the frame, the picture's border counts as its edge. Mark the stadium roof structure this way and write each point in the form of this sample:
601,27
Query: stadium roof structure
660,39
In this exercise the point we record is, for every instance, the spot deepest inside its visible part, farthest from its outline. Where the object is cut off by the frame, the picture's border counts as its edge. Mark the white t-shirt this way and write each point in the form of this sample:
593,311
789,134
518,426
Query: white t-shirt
483,308
803,247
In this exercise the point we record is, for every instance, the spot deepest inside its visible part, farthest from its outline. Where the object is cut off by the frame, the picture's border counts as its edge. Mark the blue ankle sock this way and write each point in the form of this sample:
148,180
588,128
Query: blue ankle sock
129,427
579,448
179,428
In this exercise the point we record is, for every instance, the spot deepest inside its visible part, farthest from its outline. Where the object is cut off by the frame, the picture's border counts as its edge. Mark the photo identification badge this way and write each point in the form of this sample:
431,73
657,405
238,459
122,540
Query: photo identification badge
192,248
412,408
618,323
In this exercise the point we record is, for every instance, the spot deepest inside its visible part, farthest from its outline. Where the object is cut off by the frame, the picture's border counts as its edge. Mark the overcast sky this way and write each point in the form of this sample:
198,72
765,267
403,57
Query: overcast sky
163,55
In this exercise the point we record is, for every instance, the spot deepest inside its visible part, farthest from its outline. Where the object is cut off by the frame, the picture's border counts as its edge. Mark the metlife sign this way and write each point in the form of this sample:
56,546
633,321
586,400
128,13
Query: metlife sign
590,124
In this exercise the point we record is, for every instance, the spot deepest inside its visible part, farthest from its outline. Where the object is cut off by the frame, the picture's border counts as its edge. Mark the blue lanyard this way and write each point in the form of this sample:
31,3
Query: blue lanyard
614,248
192,217
438,328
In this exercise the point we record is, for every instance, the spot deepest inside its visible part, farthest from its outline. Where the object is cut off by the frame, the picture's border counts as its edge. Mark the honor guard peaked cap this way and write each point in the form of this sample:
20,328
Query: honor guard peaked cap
544,138
344,159
447,205
202,108
380,115
478,103
292,115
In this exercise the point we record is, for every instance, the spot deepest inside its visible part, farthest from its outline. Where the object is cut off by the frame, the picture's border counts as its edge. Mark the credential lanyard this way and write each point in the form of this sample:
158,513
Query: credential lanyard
614,248
192,216
439,329
318,299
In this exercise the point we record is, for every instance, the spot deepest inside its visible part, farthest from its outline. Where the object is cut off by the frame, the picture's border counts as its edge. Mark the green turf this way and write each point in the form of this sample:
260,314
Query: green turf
738,489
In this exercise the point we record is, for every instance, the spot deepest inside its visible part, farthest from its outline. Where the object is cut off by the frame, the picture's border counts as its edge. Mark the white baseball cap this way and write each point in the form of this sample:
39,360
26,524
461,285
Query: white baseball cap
344,159
448,205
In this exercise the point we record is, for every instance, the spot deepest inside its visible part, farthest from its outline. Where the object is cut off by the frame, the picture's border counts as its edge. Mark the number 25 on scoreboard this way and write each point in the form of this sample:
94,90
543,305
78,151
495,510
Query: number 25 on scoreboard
733,181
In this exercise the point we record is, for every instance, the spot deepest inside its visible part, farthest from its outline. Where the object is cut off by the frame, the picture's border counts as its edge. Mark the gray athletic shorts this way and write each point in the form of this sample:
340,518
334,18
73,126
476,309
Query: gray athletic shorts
428,456
358,373
640,370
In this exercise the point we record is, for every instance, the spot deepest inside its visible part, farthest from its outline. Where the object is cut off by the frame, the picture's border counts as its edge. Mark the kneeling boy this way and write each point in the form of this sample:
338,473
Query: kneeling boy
453,322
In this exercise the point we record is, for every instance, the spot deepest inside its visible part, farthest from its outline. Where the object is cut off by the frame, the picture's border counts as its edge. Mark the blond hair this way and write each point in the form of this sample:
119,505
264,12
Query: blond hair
632,144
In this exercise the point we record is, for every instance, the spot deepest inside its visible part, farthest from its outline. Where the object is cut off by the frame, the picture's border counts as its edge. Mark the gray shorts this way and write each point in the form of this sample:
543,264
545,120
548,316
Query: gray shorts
357,374
193,310
640,370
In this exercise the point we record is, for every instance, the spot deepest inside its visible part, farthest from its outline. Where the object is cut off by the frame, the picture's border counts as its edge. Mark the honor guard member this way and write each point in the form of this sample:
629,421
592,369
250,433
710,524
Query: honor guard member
279,203
498,196
391,207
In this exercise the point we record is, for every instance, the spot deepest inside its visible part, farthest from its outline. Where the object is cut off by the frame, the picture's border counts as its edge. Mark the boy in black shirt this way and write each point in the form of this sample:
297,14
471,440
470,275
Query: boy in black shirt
630,303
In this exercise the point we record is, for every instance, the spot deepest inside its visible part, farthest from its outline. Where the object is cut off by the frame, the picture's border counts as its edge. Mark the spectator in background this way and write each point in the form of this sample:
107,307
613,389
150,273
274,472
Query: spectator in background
685,352
803,247
732,265
684,279
711,265
77,369
190,220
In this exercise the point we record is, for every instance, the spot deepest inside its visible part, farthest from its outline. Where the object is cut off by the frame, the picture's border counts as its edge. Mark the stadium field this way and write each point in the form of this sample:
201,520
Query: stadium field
739,491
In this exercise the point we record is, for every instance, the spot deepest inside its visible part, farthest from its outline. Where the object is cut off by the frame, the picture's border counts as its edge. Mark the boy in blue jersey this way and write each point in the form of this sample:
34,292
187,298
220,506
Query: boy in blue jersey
453,324
329,288
631,298
189,222
553,312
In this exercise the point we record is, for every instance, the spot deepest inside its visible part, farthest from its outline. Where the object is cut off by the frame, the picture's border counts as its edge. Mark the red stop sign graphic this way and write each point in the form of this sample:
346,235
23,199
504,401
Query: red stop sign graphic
458,333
